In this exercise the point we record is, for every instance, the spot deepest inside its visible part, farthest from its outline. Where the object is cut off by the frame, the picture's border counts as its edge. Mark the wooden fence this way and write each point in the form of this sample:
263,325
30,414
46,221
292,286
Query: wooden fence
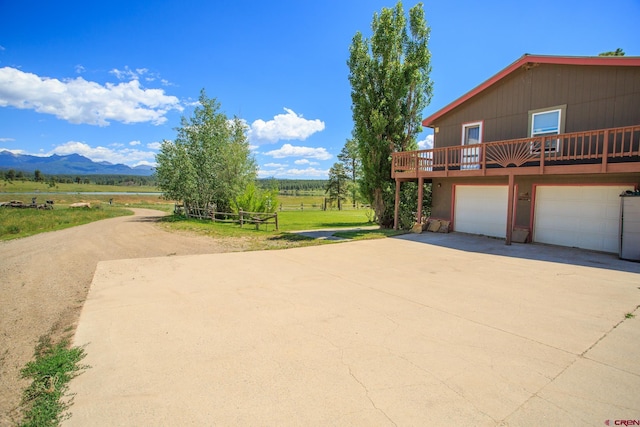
241,217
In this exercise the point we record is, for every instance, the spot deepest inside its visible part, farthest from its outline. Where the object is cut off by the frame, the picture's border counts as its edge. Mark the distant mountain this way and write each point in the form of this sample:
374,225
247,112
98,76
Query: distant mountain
72,164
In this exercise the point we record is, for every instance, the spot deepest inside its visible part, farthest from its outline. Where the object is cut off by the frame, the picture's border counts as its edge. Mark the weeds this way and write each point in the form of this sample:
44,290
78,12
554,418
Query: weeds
54,366
629,316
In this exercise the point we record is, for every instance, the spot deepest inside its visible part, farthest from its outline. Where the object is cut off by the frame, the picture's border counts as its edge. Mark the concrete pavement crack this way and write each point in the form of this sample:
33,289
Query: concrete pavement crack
366,390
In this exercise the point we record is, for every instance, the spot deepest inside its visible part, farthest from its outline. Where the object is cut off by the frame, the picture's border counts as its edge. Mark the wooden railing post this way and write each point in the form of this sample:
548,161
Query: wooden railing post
483,156
240,214
276,217
605,151
543,144
446,161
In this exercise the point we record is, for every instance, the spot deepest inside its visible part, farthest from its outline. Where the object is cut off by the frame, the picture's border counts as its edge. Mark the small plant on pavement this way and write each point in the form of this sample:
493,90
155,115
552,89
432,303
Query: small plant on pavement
54,366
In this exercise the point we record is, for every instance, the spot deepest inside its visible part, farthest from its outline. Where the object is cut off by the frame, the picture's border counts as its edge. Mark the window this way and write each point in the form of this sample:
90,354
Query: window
547,122
471,137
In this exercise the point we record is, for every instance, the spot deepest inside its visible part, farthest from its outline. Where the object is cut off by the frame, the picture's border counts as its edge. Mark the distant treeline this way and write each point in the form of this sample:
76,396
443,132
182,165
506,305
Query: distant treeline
37,176
285,186
288,186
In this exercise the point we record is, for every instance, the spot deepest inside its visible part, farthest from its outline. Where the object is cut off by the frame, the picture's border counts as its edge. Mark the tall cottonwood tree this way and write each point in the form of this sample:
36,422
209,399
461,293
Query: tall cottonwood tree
209,162
390,86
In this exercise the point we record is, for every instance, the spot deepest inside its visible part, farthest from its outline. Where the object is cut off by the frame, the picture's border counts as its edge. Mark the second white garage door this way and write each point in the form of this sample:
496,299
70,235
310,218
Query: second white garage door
585,217
481,209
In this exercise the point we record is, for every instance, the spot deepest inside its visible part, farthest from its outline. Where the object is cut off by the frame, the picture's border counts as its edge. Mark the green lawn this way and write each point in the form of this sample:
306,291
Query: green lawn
16,223
316,219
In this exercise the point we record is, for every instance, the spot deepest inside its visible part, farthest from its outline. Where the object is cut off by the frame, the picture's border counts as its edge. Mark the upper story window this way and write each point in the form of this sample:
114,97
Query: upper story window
471,137
545,122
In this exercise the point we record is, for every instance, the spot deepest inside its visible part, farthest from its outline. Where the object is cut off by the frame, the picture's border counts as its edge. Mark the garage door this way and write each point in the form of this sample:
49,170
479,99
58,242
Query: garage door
481,209
585,217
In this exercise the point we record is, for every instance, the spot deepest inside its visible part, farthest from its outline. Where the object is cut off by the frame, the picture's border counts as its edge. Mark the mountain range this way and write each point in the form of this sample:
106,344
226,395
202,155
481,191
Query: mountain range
72,164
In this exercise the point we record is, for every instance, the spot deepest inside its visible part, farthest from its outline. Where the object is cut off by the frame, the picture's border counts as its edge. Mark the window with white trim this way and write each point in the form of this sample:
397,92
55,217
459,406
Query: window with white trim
544,123
471,138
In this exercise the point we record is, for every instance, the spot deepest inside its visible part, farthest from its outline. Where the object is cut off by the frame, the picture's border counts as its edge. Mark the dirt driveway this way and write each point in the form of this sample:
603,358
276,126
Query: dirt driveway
44,281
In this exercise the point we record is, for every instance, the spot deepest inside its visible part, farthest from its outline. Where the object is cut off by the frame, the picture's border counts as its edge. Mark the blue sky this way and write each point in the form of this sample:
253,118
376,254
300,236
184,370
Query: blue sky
110,80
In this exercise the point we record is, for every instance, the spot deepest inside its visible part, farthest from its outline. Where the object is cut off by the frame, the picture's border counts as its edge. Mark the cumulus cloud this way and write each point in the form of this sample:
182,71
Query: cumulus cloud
288,150
275,165
305,162
6,139
128,156
309,172
134,143
426,144
81,101
287,126
154,145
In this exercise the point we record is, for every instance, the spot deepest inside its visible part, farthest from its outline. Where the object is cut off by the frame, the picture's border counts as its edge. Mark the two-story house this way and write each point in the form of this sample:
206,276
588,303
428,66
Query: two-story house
545,147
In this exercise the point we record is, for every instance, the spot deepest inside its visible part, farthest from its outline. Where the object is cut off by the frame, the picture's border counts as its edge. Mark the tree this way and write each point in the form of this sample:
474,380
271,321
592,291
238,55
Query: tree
37,175
350,158
209,162
390,86
617,52
337,185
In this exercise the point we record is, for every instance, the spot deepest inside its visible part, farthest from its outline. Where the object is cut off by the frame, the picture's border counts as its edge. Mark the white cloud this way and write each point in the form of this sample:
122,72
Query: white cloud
309,172
287,126
305,162
154,145
288,150
81,101
6,139
276,165
128,156
426,144
145,163
134,143
13,150
80,69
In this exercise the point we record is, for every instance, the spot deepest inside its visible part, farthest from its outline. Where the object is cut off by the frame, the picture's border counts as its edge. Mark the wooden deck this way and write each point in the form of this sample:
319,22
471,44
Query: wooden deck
613,150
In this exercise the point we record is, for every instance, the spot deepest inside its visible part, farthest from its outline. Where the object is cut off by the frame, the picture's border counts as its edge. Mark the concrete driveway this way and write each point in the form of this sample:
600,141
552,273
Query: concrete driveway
420,330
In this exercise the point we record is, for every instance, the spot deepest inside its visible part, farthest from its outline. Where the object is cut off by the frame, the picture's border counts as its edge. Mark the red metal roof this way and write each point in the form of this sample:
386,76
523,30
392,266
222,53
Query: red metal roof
633,61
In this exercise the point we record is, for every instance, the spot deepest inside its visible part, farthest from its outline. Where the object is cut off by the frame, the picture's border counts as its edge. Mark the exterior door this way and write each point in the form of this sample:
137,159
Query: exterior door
471,140
586,217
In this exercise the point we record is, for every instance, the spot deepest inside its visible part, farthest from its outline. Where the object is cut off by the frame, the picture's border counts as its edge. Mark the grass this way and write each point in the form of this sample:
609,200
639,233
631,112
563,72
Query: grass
16,223
629,316
248,238
317,219
54,366
43,187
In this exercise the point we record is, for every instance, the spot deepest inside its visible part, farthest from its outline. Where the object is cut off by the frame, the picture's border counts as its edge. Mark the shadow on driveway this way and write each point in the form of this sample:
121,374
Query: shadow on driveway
532,251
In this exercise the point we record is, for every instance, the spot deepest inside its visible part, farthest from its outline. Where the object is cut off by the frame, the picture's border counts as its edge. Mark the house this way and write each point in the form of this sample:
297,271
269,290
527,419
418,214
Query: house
542,149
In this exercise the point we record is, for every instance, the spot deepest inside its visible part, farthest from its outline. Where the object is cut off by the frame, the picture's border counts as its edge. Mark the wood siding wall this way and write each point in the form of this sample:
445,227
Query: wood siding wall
596,97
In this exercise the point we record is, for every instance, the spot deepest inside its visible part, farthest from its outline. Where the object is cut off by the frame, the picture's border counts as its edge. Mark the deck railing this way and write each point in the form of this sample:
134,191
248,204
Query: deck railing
595,147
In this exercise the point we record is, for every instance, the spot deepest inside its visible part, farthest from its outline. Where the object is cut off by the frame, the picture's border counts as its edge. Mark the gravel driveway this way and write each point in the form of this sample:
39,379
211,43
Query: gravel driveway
45,280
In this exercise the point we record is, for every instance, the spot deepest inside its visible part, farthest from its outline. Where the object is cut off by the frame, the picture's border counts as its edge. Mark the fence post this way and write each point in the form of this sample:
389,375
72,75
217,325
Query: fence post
276,215
240,214
301,206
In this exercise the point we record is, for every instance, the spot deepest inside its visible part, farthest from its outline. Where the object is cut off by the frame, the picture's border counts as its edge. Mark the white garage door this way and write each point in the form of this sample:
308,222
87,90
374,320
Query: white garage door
585,217
481,209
